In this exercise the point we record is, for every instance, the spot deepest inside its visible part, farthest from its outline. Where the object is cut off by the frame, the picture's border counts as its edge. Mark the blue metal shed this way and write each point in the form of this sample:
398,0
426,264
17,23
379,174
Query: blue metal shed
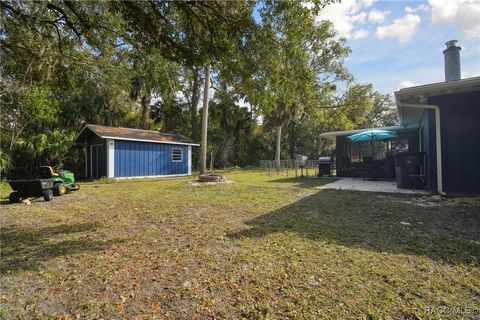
124,152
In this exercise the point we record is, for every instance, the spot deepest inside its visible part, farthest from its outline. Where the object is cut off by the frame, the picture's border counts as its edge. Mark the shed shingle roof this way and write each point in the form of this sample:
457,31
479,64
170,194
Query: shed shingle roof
133,134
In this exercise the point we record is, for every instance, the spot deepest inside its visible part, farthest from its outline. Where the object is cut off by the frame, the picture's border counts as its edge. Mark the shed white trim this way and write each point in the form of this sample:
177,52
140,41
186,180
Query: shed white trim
146,140
175,152
189,160
158,176
110,158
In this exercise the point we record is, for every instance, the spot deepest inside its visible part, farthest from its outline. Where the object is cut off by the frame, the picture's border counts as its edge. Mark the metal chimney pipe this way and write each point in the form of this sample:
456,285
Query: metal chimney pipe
452,61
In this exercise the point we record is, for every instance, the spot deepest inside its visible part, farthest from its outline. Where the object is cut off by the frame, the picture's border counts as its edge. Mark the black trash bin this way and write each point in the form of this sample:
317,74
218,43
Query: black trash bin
406,165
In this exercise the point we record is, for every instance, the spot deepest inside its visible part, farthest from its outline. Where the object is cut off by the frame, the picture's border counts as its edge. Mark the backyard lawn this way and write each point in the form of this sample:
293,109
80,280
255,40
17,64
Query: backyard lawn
262,247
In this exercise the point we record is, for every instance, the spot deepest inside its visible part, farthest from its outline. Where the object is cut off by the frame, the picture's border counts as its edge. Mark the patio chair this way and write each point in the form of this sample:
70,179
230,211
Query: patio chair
361,171
367,160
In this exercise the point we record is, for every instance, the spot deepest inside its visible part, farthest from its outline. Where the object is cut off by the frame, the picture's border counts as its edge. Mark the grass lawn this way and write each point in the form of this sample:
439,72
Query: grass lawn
262,247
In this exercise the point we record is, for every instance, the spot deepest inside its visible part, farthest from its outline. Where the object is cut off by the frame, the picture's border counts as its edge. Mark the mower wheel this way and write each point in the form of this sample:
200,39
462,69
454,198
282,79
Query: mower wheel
47,195
14,197
59,189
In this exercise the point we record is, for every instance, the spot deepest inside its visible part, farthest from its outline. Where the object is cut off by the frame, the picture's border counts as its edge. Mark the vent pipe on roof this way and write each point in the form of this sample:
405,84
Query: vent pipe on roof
452,61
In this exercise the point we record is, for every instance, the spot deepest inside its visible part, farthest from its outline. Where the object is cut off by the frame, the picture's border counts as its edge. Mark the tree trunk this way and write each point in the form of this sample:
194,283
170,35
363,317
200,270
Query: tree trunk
212,158
293,148
203,150
292,134
194,101
278,146
145,103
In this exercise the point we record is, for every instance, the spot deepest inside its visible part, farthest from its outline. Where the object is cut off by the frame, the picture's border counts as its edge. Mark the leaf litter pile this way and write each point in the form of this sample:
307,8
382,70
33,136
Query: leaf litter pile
262,247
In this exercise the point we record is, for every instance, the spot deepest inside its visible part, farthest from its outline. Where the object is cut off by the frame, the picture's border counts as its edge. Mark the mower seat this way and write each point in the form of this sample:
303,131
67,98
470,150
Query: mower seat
47,172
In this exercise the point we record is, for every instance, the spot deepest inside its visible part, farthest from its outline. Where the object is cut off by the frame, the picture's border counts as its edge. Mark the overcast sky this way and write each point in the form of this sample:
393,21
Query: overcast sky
400,43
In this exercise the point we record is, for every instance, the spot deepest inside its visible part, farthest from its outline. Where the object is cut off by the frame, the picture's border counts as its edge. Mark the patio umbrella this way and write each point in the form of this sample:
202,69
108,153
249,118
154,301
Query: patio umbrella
373,135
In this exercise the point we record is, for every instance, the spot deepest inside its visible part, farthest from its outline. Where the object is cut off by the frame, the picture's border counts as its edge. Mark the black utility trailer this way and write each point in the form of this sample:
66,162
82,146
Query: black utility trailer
31,188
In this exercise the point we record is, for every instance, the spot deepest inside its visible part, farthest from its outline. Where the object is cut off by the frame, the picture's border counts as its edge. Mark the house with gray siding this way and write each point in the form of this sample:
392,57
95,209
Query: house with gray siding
440,121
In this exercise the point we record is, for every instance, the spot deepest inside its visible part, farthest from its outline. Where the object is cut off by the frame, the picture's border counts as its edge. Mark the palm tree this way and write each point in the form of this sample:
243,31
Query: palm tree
203,148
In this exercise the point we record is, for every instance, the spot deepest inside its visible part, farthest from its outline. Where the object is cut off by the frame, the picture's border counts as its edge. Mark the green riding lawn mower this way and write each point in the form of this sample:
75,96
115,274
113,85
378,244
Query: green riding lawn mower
51,183
63,180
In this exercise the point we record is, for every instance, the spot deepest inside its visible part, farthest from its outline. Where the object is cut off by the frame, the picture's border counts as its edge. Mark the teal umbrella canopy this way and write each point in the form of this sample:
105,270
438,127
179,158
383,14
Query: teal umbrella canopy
373,135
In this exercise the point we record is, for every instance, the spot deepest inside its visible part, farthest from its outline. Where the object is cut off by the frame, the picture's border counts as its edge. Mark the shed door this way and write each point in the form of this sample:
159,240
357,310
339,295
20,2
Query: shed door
94,161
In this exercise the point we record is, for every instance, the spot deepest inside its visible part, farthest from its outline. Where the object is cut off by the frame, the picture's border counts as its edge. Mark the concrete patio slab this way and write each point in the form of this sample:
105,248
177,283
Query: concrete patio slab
368,185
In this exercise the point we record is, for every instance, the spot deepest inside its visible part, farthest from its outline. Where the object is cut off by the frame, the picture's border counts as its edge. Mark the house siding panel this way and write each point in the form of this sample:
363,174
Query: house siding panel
137,159
460,132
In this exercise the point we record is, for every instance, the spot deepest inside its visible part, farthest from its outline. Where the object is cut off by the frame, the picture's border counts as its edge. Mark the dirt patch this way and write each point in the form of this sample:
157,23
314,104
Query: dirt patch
211,178
197,183
439,201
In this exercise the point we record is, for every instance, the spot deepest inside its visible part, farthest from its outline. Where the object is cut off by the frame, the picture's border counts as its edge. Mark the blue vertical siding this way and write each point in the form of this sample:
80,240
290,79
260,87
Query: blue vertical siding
135,159
460,132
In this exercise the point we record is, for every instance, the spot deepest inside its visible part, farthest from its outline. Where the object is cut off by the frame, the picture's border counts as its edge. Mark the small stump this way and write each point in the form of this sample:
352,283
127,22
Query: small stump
211,178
